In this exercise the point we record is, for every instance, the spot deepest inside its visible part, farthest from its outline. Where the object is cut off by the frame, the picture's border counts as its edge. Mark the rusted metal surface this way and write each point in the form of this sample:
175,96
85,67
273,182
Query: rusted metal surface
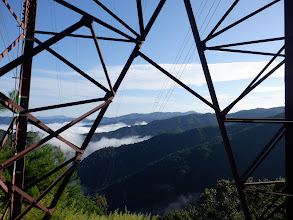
24,95
85,36
14,15
116,17
86,21
101,56
5,52
265,183
7,132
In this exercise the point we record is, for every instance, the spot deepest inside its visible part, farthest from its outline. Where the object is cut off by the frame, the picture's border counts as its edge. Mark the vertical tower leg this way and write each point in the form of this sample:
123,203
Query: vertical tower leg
24,92
289,105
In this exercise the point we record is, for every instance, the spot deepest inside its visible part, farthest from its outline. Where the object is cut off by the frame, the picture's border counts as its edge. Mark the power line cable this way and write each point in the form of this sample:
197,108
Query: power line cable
180,71
171,89
211,17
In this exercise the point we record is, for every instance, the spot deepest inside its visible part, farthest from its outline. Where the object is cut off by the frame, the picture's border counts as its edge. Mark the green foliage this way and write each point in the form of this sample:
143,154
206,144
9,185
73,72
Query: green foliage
41,161
116,215
150,175
220,203
223,202
101,203
188,213
13,95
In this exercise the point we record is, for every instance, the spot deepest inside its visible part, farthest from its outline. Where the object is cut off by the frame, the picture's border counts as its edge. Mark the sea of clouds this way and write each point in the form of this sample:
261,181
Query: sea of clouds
76,136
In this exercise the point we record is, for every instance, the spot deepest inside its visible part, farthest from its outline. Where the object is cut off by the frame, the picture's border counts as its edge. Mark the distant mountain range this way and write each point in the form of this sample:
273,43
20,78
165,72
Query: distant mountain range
182,123
129,119
148,176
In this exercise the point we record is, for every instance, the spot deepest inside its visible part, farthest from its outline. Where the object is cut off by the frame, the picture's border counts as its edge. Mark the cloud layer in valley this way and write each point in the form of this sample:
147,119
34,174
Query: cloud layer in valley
74,135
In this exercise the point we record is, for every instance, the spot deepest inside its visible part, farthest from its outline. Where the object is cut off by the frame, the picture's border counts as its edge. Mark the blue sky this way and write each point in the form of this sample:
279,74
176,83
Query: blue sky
169,43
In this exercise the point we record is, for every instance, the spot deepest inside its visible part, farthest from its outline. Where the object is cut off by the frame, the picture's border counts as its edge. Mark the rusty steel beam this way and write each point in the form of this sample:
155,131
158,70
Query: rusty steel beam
264,183
93,128
54,134
134,53
65,105
244,93
176,80
108,98
247,42
14,15
241,20
86,36
253,85
116,17
5,69
220,117
8,49
72,66
33,120
140,19
24,95
221,20
154,17
28,197
245,51
60,191
35,201
268,208
90,17
7,132
258,120
101,56
279,207
49,173
5,211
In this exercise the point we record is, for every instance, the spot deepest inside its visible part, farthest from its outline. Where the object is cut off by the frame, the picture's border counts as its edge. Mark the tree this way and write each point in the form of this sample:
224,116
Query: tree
223,203
13,95
39,162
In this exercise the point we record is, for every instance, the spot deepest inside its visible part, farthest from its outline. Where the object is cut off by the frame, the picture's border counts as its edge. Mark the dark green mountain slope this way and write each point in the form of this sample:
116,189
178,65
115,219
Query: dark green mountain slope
152,185
108,164
182,123
191,170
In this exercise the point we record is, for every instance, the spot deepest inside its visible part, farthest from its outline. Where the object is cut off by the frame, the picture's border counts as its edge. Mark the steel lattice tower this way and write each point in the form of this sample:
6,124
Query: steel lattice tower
33,46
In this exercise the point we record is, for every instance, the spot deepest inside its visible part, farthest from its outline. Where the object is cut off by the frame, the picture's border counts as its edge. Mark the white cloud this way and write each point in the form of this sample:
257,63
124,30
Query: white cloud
74,135
147,77
267,101
113,142
47,89
111,127
141,123
269,89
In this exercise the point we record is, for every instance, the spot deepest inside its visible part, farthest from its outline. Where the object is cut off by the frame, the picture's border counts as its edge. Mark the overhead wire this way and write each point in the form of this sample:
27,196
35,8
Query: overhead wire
211,17
175,63
8,38
188,55
207,16
57,65
123,86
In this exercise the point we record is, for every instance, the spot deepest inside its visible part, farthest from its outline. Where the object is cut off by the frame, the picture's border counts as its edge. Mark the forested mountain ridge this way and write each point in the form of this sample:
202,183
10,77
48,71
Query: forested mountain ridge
192,169
148,176
182,123
129,119
113,160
